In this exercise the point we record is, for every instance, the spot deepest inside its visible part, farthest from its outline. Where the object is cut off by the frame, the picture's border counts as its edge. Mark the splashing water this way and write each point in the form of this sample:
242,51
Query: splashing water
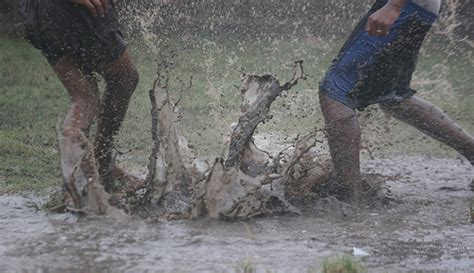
208,44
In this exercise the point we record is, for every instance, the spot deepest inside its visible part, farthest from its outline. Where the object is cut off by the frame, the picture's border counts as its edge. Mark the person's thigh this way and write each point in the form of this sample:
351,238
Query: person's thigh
80,85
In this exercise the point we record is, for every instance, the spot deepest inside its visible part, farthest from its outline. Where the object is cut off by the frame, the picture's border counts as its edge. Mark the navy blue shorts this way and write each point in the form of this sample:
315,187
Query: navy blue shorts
374,69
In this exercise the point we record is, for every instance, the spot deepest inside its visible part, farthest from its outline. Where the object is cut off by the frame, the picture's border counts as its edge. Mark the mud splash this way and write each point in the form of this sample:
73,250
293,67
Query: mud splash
427,229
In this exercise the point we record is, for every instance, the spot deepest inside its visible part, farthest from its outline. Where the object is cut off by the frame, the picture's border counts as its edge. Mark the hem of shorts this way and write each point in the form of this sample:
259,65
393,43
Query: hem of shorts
119,54
85,67
330,95
362,106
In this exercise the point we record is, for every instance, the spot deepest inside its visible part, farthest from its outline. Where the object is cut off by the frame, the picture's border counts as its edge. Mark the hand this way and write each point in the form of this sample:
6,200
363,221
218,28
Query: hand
379,22
95,7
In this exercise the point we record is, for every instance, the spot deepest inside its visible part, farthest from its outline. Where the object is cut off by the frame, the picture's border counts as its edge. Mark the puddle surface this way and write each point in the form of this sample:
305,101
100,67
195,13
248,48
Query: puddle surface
427,230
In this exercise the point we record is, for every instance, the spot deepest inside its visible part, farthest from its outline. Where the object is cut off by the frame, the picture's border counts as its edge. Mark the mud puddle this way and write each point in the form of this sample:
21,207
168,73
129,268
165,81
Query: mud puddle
427,229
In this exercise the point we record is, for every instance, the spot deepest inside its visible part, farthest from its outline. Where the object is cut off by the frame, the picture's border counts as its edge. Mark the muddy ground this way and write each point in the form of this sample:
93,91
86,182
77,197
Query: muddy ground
426,229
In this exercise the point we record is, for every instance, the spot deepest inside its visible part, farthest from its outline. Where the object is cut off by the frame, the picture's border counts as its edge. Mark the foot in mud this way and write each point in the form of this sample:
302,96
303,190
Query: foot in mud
124,180
126,187
128,184
374,192
334,207
331,187
116,179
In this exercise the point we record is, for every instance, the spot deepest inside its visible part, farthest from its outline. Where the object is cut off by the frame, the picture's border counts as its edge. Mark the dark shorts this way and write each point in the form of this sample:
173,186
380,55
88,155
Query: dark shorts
374,69
59,28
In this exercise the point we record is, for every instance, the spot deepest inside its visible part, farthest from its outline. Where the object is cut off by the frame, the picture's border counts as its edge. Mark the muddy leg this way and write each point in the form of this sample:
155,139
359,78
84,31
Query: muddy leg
83,92
432,121
344,142
121,78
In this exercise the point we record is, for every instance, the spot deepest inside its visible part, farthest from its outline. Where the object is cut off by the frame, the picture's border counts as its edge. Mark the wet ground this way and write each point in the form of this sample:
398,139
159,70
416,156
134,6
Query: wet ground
427,229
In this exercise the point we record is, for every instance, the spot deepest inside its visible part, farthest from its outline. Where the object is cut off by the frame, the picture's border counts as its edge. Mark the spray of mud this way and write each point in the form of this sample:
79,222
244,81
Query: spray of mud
204,46
210,43
201,48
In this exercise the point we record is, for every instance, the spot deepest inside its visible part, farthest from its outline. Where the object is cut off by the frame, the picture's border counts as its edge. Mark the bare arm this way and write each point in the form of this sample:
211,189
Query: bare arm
95,7
380,22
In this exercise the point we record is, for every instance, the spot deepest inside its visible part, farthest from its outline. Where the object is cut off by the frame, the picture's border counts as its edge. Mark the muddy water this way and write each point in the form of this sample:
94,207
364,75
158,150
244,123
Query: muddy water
427,229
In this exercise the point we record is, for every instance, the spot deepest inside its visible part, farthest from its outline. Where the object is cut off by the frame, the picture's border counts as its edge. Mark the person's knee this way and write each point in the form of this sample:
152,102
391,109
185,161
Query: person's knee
125,80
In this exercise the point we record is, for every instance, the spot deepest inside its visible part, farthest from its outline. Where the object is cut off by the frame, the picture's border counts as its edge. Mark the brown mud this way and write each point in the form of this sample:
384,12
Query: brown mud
427,228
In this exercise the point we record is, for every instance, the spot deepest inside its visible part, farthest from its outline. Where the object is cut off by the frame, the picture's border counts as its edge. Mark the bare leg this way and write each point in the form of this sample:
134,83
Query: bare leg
432,121
121,78
83,92
343,134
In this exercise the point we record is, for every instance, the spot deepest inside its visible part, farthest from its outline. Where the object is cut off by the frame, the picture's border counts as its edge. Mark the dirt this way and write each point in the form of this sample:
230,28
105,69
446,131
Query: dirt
427,228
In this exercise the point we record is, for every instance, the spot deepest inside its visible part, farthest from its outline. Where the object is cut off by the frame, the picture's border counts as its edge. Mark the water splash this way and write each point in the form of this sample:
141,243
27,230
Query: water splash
210,43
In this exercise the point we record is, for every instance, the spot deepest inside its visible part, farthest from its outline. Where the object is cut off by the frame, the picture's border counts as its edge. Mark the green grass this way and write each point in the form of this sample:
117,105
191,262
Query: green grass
343,265
32,99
